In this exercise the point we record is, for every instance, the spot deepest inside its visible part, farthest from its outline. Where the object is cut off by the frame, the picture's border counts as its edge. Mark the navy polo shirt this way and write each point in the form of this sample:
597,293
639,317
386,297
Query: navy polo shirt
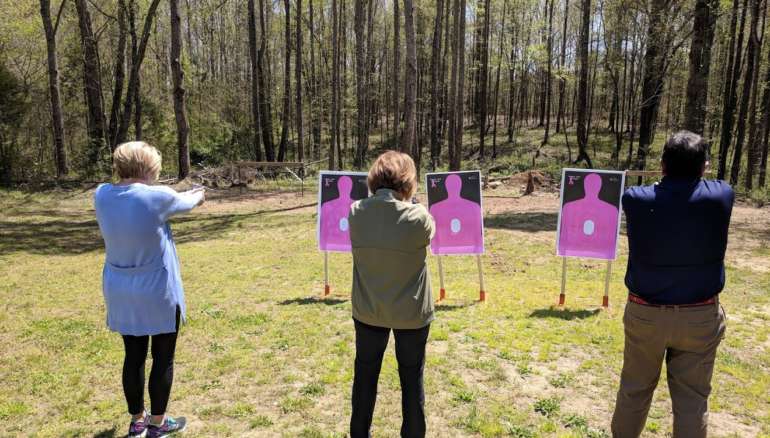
677,236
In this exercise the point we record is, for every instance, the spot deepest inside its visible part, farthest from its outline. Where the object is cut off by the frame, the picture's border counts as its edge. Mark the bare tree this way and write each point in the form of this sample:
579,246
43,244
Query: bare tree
255,116
700,64
298,82
177,77
409,139
283,145
57,123
582,105
92,81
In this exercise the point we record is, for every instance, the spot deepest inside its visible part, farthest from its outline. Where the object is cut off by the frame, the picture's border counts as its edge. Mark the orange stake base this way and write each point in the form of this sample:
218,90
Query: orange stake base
482,296
561,299
327,290
606,301
442,294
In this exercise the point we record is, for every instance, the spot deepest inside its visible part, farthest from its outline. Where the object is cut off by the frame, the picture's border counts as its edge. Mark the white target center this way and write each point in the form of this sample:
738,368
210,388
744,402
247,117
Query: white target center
455,225
589,227
344,224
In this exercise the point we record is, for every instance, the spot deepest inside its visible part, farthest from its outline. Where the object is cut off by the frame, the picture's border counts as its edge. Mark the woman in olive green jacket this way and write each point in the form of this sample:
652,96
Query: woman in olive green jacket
391,290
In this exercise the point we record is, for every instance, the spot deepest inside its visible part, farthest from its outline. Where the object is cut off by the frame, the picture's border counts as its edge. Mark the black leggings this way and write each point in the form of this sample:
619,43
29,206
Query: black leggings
161,375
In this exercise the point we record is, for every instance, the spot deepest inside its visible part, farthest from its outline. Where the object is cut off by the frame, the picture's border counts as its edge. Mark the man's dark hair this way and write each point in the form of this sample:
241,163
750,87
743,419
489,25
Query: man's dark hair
684,155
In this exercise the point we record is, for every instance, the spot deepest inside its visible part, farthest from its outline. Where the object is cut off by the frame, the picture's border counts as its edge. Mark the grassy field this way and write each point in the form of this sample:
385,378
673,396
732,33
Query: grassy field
263,355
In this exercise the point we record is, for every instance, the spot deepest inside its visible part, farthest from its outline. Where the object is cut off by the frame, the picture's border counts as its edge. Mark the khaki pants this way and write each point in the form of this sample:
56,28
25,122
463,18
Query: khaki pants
687,337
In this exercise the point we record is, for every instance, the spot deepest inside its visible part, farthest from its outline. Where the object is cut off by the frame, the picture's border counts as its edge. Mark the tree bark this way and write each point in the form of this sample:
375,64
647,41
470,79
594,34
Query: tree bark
92,81
255,103
283,146
396,68
700,64
748,78
409,139
582,109
731,91
549,73
57,121
362,100
298,83
177,75
652,83
484,79
137,57
265,113
435,63
335,85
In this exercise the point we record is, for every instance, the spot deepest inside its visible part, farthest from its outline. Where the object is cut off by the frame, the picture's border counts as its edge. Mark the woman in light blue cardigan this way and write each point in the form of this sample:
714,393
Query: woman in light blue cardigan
141,281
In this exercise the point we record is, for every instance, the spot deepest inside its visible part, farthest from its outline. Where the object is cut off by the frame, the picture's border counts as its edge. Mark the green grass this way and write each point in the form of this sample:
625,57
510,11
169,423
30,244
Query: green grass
263,355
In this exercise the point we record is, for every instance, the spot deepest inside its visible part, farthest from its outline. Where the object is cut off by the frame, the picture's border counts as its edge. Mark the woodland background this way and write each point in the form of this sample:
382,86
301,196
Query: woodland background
455,83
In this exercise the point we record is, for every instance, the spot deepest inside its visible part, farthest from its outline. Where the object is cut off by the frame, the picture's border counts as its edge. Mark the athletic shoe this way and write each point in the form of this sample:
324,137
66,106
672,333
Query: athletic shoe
170,425
138,429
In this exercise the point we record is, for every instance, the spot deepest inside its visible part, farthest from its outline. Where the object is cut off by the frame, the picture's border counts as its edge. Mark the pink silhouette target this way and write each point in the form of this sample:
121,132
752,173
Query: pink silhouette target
588,226
333,227
459,221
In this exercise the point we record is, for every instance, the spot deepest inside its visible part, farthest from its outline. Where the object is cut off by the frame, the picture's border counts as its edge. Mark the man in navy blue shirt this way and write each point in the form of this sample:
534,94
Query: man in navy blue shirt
677,236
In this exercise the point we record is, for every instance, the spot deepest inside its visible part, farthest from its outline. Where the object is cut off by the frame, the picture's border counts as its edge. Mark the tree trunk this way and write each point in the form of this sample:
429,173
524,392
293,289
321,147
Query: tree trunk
408,141
92,81
138,51
282,148
582,109
57,123
315,119
455,161
335,84
484,79
265,113
255,104
119,75
298,83
765,108
700,64
497,82
748,78
652,83
435,63
396,67
547,90
731,91
177,75
362,101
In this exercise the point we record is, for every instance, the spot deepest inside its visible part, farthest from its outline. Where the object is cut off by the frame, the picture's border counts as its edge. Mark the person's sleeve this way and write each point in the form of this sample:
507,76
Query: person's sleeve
427,223
170,202
728,199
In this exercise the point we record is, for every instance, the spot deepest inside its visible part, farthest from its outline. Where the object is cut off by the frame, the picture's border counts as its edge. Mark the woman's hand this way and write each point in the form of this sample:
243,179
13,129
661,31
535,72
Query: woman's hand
202,191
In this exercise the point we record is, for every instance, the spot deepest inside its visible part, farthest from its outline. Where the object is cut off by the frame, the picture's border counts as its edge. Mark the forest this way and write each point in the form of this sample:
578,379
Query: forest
452,82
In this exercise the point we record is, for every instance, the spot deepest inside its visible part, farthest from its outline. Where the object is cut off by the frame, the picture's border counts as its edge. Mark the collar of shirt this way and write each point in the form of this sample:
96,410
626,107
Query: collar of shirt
677,184
386,193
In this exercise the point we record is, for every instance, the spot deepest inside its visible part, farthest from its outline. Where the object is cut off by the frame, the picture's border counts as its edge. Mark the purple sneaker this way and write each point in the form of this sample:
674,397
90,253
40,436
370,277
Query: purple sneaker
170,425
138,429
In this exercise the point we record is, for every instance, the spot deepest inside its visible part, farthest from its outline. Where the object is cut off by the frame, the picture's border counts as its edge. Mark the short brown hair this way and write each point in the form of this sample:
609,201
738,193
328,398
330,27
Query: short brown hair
396,171
136,159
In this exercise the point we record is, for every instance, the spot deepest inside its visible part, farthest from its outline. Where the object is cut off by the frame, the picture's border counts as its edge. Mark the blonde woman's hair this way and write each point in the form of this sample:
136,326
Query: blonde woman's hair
396,171
136,159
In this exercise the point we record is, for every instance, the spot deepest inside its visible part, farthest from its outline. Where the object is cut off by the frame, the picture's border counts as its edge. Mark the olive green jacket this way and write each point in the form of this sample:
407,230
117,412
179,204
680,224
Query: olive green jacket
391,282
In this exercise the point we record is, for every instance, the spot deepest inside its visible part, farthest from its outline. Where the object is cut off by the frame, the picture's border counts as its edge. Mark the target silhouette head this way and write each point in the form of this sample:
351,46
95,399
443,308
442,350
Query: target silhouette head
592,185
453,186
344,185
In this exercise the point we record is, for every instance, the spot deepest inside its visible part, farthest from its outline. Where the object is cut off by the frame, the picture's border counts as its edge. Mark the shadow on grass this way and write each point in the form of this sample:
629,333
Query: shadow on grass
67,234
531,222
109,433
565,314
441,307
312,300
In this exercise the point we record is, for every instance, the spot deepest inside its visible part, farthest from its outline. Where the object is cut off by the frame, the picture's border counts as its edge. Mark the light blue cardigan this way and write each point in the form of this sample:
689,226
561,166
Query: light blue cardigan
141,281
